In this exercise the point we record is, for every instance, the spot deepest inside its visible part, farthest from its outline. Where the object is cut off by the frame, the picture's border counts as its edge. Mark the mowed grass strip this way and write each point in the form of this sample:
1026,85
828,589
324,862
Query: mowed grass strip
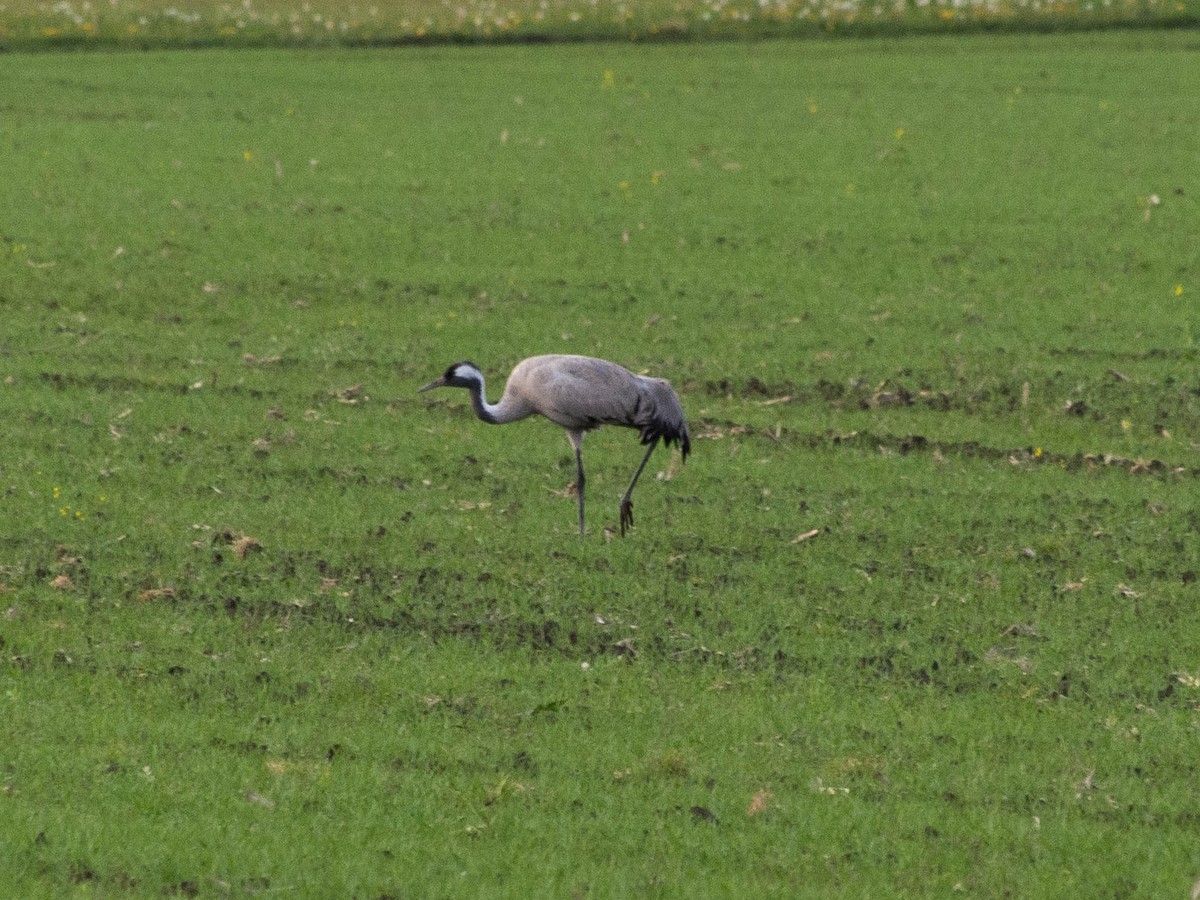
916,616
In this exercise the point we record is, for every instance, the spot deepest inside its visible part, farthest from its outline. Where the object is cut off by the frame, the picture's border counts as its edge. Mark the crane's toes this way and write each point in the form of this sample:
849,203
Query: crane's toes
626,515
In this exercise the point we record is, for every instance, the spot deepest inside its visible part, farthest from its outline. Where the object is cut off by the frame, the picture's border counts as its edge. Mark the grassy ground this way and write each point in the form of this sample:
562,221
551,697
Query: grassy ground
276,624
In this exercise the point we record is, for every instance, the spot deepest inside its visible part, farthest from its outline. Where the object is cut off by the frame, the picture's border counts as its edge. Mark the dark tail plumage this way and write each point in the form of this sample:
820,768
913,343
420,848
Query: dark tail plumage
668,433
660,416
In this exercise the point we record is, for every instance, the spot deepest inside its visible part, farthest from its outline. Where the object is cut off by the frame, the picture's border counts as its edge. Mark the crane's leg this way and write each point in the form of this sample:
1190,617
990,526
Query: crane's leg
627,500
576,439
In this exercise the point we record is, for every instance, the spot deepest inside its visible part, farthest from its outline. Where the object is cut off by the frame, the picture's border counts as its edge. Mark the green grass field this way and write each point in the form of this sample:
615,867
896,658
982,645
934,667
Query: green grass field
917,618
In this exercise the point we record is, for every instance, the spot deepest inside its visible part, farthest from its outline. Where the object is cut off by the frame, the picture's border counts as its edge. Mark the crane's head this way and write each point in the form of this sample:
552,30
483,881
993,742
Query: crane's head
462,374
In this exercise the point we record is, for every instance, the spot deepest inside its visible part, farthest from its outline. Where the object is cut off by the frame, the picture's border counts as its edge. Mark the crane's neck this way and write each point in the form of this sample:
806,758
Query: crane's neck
483,409
509,409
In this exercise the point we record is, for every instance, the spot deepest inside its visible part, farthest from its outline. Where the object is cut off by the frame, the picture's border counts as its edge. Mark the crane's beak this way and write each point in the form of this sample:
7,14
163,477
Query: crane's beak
437,382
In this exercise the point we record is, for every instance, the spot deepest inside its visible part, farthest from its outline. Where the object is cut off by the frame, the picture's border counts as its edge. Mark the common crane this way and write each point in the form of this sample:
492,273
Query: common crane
580,393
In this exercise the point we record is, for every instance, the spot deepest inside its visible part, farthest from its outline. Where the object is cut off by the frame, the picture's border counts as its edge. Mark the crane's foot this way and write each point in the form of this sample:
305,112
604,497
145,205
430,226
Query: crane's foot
626,515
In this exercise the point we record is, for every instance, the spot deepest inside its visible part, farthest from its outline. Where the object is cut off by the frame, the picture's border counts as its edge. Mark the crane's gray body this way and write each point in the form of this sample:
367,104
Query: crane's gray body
580,393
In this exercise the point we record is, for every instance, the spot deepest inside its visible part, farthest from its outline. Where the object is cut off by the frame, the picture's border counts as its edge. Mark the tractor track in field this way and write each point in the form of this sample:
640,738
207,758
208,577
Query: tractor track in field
1094,395
904,445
